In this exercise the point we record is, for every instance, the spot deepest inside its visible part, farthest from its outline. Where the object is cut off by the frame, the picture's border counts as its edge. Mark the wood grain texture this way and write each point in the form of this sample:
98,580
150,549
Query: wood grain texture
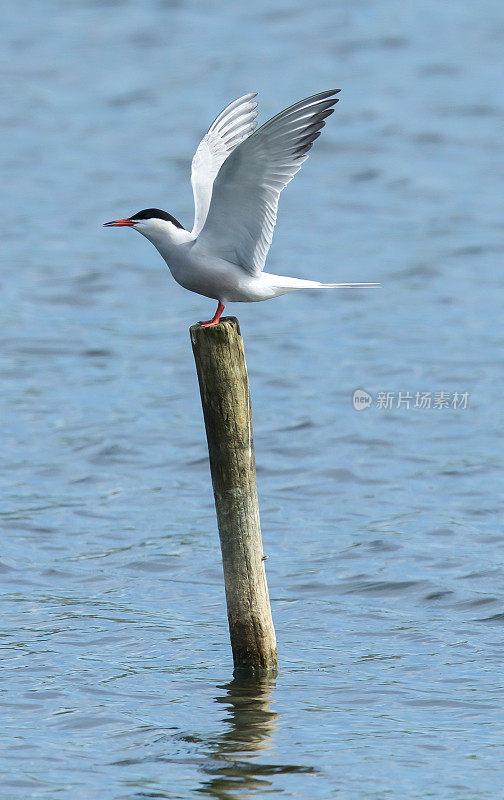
225,397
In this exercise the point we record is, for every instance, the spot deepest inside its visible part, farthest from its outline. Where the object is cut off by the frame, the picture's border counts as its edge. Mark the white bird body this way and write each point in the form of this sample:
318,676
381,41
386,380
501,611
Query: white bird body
237,176
200,271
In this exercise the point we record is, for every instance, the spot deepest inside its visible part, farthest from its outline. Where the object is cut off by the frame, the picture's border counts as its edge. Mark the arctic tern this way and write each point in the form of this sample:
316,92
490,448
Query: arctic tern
237,175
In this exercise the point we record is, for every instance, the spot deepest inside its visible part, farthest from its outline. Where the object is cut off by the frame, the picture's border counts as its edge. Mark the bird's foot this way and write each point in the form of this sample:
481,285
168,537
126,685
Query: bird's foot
209,323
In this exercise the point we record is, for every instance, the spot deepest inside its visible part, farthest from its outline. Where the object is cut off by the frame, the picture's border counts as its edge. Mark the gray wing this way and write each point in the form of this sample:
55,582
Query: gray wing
231,127
243,209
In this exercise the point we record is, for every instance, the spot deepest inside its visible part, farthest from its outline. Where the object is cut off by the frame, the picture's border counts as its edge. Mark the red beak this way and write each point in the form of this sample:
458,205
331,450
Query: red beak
118,223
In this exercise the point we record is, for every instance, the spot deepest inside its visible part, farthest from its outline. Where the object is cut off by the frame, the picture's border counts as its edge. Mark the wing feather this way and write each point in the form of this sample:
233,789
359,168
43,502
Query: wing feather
231,127
243,209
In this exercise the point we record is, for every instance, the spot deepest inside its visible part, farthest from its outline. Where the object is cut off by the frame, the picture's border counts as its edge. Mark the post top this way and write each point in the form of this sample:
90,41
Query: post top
223,328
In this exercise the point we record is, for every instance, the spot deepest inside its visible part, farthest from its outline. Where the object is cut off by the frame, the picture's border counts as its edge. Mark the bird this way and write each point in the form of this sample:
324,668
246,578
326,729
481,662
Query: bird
237,175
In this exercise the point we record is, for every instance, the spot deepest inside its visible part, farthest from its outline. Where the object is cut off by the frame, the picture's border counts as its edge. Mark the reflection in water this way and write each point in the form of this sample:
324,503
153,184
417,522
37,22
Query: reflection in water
233,766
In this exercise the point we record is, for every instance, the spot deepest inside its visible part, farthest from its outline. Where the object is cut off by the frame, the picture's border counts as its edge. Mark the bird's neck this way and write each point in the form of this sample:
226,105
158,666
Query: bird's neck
171,242
167,236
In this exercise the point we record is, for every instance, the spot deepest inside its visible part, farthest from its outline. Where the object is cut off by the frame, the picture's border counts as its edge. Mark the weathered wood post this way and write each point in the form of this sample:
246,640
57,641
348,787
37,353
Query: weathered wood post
225,397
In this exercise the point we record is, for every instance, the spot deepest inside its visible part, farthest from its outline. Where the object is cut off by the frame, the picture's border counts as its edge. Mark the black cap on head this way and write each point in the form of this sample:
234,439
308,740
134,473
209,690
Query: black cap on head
155,213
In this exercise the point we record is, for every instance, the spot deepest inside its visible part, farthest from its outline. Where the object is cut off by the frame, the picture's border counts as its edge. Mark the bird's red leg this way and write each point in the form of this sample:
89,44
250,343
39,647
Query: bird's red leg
216,318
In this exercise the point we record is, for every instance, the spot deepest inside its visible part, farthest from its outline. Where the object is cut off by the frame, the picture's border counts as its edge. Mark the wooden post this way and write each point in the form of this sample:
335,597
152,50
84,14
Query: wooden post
225,397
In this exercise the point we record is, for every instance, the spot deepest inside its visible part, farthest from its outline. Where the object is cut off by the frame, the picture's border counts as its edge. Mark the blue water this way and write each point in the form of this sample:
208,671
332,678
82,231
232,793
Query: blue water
383,526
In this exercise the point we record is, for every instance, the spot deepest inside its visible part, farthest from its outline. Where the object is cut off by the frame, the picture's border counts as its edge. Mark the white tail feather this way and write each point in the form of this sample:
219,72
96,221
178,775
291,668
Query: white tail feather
315,285
282,284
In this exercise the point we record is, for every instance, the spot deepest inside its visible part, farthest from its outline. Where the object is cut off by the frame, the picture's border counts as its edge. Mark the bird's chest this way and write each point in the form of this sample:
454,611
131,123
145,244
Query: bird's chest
192,273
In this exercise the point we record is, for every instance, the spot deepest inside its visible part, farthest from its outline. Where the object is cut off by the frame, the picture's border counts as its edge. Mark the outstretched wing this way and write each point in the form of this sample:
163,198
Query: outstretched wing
231,127
243,209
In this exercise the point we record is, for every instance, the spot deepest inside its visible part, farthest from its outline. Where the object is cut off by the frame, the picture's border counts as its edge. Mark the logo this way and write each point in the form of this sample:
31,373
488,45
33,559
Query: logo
361,400
416,400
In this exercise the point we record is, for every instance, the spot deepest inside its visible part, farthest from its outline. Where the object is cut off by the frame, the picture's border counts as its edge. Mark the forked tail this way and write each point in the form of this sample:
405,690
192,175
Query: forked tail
317,285
282,284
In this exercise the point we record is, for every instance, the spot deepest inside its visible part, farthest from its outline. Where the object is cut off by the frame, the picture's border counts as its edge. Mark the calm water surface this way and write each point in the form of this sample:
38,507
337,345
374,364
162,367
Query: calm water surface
383,527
